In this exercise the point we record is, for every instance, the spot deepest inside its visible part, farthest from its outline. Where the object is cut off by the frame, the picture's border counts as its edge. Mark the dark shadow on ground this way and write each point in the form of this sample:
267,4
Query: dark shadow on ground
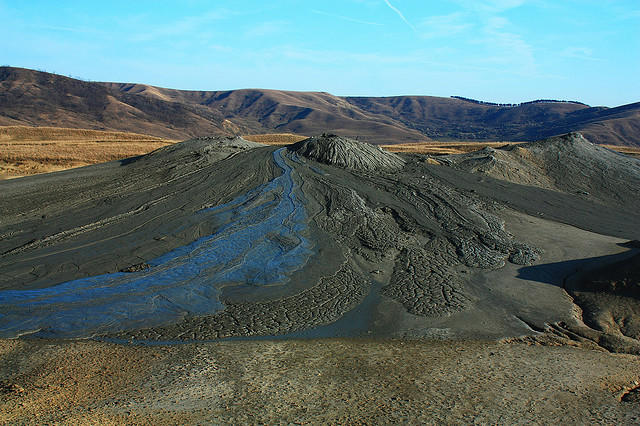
556,273
130,160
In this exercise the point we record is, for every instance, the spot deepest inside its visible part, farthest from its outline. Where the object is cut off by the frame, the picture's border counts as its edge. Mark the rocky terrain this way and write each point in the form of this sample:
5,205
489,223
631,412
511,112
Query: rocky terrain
217,239
35,98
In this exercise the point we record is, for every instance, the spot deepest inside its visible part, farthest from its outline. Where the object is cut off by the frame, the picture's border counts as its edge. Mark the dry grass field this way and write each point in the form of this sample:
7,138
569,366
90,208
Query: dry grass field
442,148
276,139
32,150
632,151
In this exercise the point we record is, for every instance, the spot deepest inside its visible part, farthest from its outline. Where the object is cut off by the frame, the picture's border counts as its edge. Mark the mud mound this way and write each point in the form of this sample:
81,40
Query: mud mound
569,163
215,147
347,153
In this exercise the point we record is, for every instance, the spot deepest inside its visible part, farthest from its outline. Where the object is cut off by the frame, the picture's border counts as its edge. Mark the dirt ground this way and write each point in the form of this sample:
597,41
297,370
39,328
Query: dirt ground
314,381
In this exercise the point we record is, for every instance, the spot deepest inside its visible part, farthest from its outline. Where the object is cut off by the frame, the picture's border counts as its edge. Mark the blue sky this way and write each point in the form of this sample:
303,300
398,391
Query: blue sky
495,50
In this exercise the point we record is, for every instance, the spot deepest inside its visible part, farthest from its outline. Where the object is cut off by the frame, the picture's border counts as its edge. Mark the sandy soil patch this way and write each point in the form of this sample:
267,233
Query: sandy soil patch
326,381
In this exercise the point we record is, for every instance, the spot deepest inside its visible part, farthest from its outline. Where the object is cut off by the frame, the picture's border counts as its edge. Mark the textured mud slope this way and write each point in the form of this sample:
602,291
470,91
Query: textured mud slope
568,163
405,238
329,237
607,298
367,228
348,154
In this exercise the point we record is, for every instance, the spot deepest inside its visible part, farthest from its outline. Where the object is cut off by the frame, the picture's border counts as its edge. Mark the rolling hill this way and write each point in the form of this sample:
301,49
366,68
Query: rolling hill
36,98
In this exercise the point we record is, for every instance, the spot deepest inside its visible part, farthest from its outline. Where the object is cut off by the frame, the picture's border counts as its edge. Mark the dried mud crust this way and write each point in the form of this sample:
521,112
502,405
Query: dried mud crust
424,285
606,314
417,226
578,335
347,153
430,229
321,304
610,297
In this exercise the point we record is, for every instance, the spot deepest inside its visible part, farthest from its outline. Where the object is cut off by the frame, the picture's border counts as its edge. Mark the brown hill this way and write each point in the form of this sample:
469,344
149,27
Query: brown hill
36,98
262,111
457,119
30,97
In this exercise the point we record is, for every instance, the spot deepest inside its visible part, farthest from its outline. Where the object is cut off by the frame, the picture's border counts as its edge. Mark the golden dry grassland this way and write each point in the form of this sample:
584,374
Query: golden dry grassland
276,139
32,150
629,150
441,148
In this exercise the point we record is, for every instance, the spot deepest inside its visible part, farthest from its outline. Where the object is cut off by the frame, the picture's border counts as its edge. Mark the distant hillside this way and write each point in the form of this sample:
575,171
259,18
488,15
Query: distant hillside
30,97
41,99
457,119
263,111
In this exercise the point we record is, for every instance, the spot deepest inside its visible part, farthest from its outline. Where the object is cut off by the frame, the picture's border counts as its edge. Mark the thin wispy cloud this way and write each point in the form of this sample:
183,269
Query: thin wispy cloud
417,58
501,5
181,27
267,29
583,53
490,6
507,48
444,25
395,9
345,18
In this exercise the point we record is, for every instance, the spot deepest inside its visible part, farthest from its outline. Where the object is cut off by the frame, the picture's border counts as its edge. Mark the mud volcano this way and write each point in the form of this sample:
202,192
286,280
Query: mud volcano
347,153
219,237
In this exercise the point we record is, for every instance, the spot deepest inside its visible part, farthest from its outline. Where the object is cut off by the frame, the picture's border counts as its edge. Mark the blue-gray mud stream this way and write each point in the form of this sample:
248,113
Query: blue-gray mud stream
259,241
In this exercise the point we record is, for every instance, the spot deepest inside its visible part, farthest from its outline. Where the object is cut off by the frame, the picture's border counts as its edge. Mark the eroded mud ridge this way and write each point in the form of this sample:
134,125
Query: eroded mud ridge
215,238
347,153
